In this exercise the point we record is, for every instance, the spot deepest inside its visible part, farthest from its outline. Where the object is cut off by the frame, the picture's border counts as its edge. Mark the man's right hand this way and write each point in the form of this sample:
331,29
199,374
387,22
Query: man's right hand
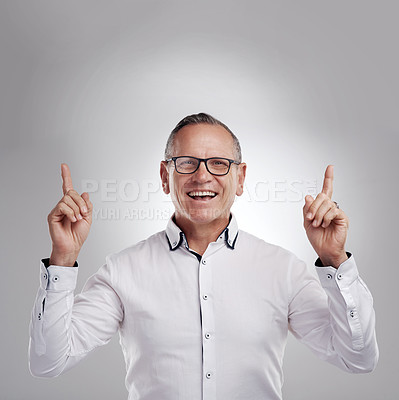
69,222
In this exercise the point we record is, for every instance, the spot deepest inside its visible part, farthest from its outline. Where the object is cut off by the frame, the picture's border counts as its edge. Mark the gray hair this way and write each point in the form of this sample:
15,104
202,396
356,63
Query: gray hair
197,119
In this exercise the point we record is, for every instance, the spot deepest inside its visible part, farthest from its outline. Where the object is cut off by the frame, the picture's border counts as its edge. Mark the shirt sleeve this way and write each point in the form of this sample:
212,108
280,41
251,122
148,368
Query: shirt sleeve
337,323
64,328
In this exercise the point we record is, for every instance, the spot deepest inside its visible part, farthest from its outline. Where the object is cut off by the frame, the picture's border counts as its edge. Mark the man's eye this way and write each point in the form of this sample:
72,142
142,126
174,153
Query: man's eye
219,163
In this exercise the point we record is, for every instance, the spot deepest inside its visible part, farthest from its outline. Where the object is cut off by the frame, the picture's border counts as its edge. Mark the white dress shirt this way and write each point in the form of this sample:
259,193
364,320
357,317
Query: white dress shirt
210,327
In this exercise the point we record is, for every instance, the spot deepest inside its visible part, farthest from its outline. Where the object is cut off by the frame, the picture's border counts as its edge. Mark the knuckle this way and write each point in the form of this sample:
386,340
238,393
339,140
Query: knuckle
313,207
73,209
71,192
66,197
332,204
72,203
65,202
79,200
314,211
322,196
65,209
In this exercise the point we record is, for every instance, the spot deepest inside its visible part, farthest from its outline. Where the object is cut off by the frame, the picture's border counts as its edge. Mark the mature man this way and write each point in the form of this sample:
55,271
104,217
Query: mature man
203,309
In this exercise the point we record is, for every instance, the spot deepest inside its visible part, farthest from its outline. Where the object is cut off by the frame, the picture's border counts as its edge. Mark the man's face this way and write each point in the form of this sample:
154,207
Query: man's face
203,141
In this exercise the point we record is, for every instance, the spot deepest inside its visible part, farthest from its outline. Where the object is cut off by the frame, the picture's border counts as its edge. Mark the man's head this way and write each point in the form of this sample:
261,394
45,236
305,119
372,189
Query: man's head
202,197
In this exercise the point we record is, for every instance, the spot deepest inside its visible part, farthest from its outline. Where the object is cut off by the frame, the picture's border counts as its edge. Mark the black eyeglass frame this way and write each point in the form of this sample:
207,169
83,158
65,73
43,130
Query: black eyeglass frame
205,160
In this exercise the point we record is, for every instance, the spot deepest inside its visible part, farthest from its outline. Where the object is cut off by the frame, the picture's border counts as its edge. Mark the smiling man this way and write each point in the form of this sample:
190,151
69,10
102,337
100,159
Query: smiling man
203,179
203,308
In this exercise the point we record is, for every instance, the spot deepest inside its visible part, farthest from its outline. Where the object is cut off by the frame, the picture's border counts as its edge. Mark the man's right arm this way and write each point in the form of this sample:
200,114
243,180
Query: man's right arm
64,328
69,225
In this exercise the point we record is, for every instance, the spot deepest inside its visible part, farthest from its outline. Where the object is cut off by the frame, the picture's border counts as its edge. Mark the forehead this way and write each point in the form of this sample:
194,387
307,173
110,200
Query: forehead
203,140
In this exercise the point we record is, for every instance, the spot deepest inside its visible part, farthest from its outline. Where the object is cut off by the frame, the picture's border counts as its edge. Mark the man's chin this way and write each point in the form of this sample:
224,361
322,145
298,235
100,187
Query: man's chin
206,216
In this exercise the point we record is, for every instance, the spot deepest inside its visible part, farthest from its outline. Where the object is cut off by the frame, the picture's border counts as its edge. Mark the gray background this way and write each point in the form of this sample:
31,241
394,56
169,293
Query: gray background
100,84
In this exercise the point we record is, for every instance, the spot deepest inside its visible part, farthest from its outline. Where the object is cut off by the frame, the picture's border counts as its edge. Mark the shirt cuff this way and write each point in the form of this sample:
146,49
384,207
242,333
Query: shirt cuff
343,276
46,262
57,278
318,262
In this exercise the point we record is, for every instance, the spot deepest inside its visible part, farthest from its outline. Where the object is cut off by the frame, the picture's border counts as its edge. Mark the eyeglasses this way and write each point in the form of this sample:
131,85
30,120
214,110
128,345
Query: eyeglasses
215,165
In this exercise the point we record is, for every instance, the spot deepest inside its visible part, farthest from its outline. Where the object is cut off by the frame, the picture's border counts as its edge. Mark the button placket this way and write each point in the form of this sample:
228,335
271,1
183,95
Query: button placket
208,328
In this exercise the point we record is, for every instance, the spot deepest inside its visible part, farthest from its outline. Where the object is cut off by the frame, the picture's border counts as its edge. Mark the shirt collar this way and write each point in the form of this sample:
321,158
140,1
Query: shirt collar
175,236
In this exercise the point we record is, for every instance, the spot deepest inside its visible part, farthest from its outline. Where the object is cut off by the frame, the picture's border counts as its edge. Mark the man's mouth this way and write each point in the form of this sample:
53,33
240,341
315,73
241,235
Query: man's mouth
202,195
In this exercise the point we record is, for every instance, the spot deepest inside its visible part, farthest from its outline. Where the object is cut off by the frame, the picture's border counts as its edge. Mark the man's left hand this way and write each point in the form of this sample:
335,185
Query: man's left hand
325,224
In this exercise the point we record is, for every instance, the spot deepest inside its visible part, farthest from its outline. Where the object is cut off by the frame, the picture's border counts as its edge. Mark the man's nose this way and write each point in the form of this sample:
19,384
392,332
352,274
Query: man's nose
202,174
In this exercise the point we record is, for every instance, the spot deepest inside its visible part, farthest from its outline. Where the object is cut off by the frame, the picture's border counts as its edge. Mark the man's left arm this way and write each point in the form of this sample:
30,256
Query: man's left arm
349,300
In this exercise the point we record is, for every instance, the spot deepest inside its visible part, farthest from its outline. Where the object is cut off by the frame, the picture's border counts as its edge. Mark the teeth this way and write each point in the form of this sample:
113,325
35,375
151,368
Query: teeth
200,194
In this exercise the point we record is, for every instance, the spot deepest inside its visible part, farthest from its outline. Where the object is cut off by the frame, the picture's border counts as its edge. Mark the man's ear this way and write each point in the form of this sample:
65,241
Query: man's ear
164,176
241,171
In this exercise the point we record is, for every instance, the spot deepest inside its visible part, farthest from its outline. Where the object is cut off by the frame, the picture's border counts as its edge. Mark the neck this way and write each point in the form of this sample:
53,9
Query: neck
200,235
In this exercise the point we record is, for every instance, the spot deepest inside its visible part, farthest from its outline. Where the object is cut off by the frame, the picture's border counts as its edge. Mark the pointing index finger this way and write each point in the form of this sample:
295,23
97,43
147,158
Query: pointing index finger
66,178
328,181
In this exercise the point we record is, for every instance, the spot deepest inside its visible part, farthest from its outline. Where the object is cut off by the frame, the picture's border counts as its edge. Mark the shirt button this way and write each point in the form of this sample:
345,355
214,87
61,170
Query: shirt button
203,262
208,375
329,276
207,335
56,278
339,276
205,297
352,313
39,317
174,243
45,276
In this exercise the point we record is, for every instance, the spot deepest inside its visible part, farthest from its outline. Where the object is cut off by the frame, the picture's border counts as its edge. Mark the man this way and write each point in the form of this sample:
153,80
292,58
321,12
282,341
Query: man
203,309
